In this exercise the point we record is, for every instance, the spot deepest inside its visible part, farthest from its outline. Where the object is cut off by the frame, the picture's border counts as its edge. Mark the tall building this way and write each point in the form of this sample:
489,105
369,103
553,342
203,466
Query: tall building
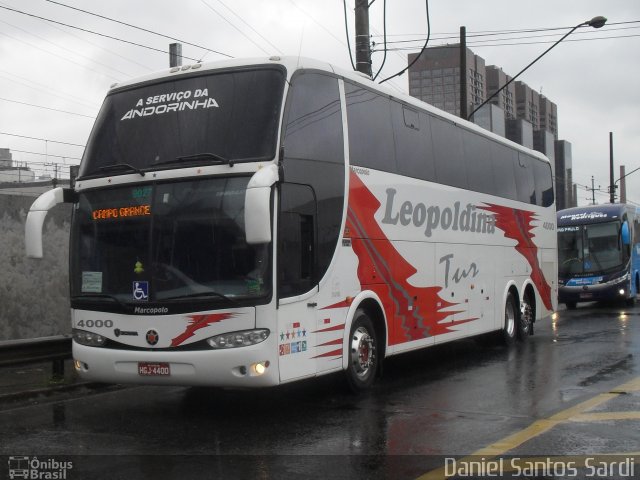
435,78
506,98
548,116
565,196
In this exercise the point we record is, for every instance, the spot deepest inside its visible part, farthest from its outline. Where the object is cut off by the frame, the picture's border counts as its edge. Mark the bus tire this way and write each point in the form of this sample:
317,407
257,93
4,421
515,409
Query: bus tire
363,353
524,325
510,320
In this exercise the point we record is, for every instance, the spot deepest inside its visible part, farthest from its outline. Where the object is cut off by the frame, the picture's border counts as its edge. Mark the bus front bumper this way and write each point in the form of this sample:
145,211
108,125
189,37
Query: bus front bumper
245,367
619,288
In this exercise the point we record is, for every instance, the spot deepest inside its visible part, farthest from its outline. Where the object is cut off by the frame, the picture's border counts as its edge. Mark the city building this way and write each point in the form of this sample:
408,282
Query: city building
566,195
10,173
435,78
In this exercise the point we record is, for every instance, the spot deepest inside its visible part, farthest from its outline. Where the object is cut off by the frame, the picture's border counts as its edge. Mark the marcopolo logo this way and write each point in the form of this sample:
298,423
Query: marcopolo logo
37,469
456,218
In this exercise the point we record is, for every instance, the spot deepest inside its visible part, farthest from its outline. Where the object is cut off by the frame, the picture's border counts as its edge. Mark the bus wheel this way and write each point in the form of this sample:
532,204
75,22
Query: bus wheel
524,326
510,319
363,357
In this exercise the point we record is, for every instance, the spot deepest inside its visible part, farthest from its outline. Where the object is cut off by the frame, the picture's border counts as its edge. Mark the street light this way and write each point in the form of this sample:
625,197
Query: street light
595,22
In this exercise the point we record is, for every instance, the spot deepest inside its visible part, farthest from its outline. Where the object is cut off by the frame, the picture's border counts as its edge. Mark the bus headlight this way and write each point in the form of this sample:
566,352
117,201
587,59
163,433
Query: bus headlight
243,338
87,338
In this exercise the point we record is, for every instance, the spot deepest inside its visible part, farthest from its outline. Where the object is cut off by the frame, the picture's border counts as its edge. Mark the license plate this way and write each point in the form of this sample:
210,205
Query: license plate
147,369
586,295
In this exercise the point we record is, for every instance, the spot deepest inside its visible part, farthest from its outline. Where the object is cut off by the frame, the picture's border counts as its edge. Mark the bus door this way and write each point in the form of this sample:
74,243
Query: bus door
297,289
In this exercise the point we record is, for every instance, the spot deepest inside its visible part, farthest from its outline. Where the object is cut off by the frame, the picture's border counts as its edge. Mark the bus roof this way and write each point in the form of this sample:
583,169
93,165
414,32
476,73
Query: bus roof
591,214
292,63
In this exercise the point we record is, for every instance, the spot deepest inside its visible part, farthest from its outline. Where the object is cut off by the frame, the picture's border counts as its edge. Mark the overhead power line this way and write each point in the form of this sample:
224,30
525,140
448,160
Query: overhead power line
210,7
65,157
46,108
248,25
45,40
525,37
139,28
477,45
485,33
92,32
42,139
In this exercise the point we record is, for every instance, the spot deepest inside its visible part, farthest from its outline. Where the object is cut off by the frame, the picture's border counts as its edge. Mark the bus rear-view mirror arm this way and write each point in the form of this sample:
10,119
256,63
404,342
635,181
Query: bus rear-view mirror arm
37,214
257,205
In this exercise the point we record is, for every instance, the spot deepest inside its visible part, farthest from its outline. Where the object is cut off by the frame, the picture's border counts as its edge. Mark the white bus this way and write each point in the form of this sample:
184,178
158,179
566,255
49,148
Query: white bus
252,223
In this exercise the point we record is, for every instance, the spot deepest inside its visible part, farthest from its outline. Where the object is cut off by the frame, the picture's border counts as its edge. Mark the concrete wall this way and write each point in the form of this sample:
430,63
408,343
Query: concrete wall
34,294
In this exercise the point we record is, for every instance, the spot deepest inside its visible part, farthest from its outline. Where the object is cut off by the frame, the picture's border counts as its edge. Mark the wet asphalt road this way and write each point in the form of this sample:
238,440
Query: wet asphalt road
452,400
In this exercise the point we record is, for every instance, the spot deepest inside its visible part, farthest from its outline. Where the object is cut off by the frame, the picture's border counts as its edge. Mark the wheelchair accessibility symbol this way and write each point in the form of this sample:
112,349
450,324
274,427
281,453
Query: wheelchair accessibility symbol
141,290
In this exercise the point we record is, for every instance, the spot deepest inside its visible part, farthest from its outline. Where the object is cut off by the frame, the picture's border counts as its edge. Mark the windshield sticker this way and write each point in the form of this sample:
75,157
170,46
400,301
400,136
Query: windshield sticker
142,192
91,282
141,291
138,268
197,99
122,212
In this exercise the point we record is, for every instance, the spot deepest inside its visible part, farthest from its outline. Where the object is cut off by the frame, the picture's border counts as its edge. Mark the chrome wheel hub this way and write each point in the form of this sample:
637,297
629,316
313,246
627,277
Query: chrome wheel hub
362,350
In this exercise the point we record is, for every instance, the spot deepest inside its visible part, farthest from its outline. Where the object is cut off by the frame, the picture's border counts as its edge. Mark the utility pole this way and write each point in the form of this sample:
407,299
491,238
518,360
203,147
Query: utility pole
612,185
175,55
593,191
623,185
463,72
363,45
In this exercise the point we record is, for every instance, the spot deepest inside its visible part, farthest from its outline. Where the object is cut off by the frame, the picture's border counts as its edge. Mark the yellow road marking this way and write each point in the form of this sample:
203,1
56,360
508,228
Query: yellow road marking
604,416
541,426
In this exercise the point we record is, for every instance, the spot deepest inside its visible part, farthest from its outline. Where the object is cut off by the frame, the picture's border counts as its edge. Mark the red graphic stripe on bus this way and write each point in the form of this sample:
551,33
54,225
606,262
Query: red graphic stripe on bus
196,323
337,341
413,312
516,224
330,329
342,304
332,353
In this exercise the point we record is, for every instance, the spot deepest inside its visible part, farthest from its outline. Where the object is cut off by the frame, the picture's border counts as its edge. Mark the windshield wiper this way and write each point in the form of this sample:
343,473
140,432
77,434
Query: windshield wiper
210,293
121,166
89,296
199,158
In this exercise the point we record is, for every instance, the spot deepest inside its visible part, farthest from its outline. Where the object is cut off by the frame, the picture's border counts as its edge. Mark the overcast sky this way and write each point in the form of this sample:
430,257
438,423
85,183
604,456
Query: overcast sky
53,77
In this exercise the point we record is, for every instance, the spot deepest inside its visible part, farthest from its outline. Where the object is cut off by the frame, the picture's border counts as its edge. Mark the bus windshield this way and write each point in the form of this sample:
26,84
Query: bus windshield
226,116
166,242
589,249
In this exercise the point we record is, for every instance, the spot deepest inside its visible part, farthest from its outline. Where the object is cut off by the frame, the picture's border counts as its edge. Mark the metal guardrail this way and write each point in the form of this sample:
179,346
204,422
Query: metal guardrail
33,350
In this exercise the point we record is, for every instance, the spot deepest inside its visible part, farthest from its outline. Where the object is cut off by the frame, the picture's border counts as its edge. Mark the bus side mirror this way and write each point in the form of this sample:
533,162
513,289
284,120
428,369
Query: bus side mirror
37,214
257,205
625,235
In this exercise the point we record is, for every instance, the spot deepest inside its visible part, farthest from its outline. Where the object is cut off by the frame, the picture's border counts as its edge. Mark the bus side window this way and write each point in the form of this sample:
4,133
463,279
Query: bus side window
296,246
477,155
544,183
371,143
525,182
448,153
412,133
314,156
504,162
